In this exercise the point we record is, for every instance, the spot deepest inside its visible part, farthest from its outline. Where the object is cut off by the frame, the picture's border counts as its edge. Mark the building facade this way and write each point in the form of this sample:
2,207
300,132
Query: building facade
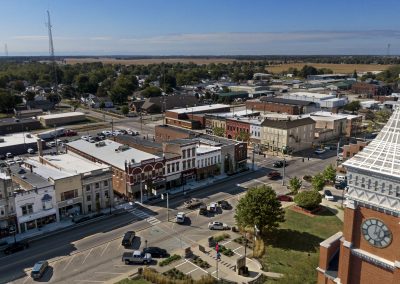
7,205
367,250
288,135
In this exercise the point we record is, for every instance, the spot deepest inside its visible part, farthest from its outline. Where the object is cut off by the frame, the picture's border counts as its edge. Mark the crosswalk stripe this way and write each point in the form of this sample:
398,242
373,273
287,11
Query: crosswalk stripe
144,215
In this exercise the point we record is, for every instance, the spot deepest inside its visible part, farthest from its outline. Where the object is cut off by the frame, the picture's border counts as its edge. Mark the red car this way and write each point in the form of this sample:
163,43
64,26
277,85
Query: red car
284,197
71,133
274,175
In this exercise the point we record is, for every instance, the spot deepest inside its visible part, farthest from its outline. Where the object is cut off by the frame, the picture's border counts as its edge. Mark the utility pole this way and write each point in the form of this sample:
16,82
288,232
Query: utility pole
167,207
6,50
252,165
283,171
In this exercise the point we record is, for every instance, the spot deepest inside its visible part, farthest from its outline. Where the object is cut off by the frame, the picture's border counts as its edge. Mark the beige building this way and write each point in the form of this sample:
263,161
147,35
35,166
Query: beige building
51,120
328,127
289,134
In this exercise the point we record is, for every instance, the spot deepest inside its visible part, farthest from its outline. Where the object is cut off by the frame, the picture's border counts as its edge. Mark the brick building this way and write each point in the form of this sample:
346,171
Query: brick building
135,172
351,150
12,125
280,105
192,117
370,89
367,250
237,129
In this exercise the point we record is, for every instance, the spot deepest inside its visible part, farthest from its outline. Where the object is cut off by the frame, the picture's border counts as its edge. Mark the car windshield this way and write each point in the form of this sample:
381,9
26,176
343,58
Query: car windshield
37,266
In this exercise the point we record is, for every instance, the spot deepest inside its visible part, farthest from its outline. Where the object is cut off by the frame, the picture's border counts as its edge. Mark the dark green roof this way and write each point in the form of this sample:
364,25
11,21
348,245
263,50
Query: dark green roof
233,94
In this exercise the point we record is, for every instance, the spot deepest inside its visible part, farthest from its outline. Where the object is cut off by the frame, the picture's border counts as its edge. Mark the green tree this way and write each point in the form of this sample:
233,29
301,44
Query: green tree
125,110
353,106
102,105
369,115
260,207
219,131
8,101
309,199
54,98
30,96
151,91
295,184
355,75
243,136
382,115
308,70
318,182
18,85
329,173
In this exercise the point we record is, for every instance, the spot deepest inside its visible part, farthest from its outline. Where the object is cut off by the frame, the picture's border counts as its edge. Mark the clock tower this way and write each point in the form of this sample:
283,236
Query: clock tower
368,250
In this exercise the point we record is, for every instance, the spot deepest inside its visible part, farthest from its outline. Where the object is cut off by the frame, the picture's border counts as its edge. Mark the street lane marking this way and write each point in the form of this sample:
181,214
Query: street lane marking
116,273
90,281
105,249
69,262
27,278
191,271
87,256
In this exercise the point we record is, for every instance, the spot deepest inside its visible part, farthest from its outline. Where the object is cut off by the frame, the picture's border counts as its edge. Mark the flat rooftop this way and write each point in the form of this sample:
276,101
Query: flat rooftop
73,163
61,115
108,153
47,171
199,108
10,121
203,149
32,178
17,139
234,114
299,95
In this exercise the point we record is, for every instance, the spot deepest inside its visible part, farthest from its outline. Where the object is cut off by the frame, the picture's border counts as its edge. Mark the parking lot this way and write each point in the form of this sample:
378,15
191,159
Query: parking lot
103,262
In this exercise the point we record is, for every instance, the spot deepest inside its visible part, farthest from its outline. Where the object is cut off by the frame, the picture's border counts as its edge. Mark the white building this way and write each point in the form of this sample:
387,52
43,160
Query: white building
324,101
7,207
374,173
208,161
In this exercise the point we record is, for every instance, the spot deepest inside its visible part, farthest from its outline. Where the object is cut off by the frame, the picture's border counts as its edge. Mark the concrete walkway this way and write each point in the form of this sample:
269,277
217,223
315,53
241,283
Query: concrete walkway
334,208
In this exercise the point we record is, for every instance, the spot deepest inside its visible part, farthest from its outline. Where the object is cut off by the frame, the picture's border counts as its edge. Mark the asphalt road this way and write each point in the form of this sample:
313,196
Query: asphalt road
82,253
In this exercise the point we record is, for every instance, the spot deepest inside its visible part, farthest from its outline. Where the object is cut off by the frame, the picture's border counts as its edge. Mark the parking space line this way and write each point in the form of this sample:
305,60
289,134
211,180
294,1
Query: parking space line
236,249
227,242
105,249
198,267
90,281
119,265
69,262
87,256
191,271
116,273
182,263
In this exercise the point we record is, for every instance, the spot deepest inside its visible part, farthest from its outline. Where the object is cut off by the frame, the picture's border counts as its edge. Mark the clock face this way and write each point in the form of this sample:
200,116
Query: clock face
376,233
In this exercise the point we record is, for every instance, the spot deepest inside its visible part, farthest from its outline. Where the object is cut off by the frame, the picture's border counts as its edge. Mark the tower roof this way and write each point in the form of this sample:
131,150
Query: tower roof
382,155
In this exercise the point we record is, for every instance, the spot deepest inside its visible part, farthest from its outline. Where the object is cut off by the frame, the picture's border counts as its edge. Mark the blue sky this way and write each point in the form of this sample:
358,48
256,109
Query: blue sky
201,27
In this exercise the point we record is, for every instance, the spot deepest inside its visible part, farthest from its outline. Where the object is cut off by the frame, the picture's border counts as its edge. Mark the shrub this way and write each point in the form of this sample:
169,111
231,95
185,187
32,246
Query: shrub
202,263
241,240
221,237
170,259
318,182
176,274
225,251
307,178
259,248
308,199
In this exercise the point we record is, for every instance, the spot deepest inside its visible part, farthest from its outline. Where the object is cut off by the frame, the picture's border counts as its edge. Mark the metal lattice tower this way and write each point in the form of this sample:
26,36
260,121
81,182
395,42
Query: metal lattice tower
51,48
6,49
388,50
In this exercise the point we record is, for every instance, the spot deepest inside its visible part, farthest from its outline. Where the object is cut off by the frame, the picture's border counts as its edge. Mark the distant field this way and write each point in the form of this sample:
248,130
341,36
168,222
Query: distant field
336,68
149,60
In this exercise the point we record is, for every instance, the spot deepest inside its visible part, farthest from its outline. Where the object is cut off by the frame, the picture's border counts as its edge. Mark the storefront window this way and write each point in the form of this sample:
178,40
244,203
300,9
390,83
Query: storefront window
27,209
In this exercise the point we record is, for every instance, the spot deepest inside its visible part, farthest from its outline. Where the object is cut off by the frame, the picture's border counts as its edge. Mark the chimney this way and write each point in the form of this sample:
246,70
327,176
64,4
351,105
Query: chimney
40,147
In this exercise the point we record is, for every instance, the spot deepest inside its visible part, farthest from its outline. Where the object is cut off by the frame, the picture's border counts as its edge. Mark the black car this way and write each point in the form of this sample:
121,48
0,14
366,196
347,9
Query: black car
203,209
128,238
279,164
340,185
16,247
155,252
224,204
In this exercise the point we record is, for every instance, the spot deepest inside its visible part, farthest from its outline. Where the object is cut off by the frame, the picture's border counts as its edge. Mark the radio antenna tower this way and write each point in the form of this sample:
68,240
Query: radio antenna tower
388,50
6,49
51,49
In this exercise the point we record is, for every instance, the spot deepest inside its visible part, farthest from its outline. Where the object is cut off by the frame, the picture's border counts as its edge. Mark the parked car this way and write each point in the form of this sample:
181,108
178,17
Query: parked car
128,238
136,257
9,155
106,132
155,252
215,225
340,185
279,164
39,269
203,209
274,175
192,203
31,151
284,197
180,218
340,178
86,138
224,205
18,159
16,247
71,133
319,151
328,195
213,207
91,140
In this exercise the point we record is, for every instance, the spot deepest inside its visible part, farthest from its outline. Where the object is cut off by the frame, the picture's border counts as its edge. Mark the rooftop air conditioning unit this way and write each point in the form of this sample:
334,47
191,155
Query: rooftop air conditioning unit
1,140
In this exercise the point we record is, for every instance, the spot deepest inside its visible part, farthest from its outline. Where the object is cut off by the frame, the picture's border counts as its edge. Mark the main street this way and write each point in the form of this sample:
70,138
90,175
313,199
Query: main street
85,254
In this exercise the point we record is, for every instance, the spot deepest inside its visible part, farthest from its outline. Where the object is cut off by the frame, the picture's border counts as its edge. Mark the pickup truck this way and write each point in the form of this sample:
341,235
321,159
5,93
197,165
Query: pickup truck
136,257
192,203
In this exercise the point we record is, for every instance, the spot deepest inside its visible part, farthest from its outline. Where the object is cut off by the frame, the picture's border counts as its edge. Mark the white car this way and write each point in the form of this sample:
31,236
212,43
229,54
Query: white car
9,155
51,144
18,160
107,132
213,207
340,178
215,225
328,195
319,151
31,151
180,218
86,138
91,140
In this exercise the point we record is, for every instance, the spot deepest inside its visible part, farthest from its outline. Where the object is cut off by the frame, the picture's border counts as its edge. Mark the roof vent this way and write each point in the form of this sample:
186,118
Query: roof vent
133,161
1,140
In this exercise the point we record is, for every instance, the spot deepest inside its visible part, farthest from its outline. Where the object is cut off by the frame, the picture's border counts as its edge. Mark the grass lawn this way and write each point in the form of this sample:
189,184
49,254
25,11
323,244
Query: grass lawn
138,281
294,249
